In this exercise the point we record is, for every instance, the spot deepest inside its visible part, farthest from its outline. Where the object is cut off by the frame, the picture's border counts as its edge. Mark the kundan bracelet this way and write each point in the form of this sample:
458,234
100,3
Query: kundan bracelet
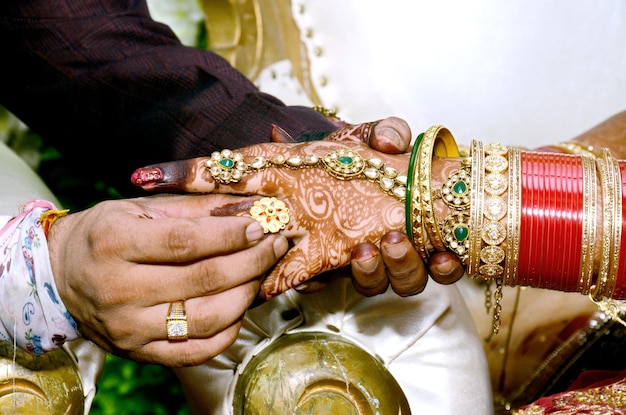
455,193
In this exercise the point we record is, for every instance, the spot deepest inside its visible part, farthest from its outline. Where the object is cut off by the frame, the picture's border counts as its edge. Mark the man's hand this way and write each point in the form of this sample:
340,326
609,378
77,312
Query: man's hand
119,264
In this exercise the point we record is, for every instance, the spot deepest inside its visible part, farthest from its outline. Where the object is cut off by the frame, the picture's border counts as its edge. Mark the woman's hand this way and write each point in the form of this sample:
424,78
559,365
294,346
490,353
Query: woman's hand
328,217
118,265
394,262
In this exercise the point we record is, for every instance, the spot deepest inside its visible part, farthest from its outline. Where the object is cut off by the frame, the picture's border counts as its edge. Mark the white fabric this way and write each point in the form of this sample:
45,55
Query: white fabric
428,343
526,72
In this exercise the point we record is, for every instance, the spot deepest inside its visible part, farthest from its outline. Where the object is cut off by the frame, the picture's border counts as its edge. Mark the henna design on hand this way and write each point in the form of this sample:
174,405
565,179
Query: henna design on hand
329,217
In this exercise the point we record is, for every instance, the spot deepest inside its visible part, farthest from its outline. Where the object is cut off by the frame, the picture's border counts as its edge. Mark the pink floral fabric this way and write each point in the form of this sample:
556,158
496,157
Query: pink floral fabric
32,315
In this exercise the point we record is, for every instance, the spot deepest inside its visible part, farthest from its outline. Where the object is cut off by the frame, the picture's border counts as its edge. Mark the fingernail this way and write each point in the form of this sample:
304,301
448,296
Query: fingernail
146,176
392,135
367,265
396,250
254,232
444,269
279,135
394,237
301,287
280,246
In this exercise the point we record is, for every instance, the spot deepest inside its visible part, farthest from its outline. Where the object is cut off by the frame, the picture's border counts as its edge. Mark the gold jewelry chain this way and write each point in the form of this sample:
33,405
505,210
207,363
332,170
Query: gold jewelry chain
227,166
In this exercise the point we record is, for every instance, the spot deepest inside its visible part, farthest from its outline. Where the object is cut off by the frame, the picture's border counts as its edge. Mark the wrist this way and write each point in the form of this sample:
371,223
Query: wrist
538,219
31,305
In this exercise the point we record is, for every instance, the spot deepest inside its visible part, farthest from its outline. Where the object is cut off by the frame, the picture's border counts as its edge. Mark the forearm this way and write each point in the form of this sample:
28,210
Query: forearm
610,134
524,217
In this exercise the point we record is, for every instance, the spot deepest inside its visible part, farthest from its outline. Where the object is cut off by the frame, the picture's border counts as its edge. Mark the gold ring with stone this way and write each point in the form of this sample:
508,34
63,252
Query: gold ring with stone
271,213
176,322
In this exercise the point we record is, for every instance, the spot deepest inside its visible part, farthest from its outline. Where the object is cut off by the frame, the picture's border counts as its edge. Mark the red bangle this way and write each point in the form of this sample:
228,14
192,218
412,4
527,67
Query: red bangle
527,223
564,231
551,221
572,217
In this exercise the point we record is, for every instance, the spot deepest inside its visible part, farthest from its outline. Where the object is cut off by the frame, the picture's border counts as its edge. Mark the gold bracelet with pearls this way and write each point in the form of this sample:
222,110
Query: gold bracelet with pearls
228,166
455,193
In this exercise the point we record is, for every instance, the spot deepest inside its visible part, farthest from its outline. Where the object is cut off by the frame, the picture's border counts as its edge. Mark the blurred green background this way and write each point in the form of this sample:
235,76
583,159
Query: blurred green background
129,388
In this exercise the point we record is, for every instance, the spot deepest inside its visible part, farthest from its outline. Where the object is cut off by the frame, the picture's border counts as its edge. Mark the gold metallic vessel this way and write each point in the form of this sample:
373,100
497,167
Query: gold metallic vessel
317,373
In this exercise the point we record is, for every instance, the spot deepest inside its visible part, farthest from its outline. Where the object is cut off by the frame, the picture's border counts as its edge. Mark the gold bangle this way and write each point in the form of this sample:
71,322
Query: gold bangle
614,171
609,265
572,147
477,184
590,190
598,291
418,233
493,232
514,217
437,141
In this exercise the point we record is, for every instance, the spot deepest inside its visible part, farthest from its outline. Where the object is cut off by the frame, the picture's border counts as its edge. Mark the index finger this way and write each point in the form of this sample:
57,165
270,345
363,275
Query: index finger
188,175
157,237
244,171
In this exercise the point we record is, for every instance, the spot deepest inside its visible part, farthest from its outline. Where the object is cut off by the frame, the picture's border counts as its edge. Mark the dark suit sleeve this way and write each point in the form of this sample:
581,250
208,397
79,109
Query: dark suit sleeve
100,80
